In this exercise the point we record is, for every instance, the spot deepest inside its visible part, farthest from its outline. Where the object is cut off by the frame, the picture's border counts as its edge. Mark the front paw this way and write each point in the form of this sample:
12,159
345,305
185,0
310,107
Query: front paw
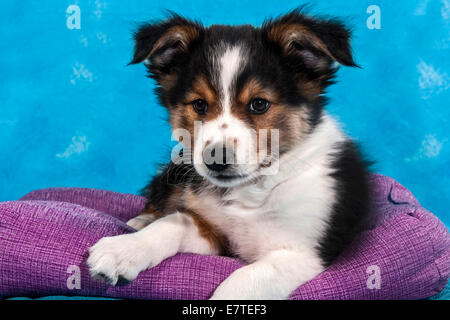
117,260
139,222
221,294
243,292
233,292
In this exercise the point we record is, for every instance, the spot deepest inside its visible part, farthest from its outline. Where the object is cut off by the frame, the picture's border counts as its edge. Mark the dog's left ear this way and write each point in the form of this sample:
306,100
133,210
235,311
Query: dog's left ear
309,43
165,45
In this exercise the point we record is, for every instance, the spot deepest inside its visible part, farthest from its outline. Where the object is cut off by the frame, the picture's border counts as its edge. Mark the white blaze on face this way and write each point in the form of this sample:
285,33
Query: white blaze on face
229,64
227,127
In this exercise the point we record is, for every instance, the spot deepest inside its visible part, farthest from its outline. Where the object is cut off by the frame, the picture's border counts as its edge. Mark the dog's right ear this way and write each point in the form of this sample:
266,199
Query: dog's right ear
165,45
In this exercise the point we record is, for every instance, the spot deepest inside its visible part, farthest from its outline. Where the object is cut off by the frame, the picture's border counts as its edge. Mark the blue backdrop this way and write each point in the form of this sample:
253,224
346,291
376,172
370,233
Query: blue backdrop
73,114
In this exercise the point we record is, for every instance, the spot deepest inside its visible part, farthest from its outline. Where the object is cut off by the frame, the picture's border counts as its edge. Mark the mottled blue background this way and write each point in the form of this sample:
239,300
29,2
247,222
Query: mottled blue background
73,114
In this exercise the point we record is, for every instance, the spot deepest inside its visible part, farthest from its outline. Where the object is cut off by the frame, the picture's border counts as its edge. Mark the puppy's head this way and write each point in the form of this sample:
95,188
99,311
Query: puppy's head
245,95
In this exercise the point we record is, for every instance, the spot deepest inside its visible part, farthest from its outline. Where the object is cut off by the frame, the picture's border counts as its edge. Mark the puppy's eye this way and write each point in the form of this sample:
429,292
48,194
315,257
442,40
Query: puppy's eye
200,106
259,106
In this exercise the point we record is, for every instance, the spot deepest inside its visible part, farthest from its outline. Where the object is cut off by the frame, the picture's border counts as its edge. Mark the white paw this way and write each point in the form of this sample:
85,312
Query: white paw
119,259
226,294
232,290
139,222
242,292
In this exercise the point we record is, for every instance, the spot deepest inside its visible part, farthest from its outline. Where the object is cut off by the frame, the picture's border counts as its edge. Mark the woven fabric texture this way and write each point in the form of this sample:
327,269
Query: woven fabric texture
47,232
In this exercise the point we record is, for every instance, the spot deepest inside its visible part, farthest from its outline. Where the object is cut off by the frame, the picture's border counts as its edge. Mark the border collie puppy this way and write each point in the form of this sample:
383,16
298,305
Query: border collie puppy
273,179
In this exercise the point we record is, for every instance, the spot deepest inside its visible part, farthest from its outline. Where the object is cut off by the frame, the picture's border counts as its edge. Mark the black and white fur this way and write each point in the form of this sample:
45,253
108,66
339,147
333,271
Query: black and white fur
288,226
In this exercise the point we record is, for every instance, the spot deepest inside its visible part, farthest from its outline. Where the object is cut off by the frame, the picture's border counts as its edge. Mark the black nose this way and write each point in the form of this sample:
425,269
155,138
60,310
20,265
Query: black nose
219,163
217,166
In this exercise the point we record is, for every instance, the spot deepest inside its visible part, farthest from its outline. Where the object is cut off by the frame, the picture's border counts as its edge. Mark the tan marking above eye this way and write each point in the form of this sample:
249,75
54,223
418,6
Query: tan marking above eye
201,89
253,89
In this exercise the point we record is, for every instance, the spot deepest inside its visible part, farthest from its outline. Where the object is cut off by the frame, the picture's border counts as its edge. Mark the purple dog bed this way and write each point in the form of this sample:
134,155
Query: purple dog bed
47,231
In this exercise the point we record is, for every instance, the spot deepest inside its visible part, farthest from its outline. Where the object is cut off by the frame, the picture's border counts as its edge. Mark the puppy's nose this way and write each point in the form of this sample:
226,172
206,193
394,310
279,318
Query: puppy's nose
218,162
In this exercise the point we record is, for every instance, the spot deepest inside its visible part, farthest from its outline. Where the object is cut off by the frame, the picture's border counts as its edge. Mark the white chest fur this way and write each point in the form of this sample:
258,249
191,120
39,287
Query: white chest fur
288,210
274,224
